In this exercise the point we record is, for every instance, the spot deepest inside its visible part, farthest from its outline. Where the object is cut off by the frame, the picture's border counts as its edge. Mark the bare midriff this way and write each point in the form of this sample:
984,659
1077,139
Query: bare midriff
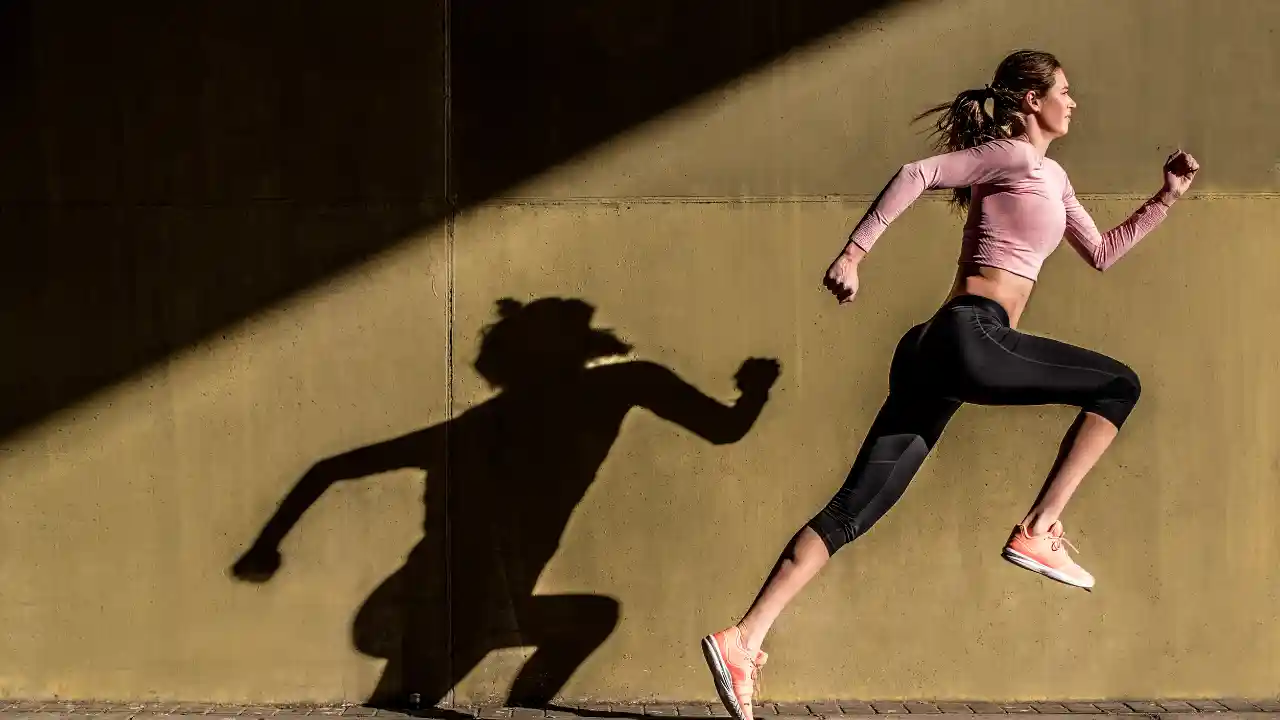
1011,290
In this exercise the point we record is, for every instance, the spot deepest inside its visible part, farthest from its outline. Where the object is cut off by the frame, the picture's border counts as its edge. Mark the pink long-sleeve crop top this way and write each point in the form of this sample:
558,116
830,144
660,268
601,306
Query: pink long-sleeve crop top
1021,205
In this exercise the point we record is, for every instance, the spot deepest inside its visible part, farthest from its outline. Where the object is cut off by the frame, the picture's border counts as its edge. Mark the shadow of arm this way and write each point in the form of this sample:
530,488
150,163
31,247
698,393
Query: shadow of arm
262,559
671,398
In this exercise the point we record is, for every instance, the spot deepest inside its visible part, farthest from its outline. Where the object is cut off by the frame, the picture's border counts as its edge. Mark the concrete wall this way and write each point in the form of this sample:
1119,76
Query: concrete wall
221,279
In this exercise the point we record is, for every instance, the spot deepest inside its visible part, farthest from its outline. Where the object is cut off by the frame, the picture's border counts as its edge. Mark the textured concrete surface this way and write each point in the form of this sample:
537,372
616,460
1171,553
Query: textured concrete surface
238,269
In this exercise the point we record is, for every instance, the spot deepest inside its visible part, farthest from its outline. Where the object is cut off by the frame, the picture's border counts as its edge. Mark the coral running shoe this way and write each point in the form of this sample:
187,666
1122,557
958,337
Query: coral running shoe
735,670
1046,554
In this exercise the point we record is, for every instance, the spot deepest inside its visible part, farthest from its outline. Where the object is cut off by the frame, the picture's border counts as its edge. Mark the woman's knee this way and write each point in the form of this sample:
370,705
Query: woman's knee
877,480
1118,397
1127,387
1133,385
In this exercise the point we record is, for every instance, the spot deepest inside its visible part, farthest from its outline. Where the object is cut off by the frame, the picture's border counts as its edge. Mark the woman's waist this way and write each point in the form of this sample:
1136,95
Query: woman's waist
991,290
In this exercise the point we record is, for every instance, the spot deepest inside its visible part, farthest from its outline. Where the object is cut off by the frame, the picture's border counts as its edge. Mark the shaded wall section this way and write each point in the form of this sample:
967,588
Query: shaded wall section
274,128
290,424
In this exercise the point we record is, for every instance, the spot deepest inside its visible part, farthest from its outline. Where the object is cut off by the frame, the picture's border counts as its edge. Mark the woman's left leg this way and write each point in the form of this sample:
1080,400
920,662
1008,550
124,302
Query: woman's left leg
1021,369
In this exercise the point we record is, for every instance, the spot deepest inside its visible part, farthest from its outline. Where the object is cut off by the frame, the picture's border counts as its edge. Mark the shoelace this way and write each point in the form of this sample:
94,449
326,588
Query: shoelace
756,661
1055,541
1056,544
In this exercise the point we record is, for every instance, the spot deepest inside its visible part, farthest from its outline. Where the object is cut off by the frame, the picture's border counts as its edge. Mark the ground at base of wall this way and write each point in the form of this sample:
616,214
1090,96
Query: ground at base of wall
1221,709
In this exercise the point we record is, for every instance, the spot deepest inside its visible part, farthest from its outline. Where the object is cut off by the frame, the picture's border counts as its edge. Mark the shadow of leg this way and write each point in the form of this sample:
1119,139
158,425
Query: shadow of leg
566,629
406,622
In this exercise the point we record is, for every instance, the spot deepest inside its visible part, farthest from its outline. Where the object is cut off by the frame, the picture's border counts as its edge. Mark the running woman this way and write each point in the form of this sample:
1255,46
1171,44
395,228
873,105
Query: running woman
1020,204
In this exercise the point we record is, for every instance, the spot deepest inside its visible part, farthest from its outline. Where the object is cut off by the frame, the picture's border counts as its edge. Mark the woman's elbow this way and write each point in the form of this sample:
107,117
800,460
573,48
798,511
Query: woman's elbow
913,170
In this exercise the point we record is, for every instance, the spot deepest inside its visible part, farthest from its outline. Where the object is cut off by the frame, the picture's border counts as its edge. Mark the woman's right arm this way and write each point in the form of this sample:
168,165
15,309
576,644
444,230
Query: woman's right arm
989,162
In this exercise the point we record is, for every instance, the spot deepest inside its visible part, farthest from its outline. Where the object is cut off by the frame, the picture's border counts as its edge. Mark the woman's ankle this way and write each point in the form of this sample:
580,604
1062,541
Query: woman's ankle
1038,523
752,635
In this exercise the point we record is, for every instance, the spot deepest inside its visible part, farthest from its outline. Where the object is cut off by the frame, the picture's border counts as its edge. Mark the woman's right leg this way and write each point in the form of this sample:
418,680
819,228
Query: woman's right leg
906,428
903,434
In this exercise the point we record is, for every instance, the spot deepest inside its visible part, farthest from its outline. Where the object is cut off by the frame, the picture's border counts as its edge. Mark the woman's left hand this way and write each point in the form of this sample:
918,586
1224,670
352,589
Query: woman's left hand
1179,170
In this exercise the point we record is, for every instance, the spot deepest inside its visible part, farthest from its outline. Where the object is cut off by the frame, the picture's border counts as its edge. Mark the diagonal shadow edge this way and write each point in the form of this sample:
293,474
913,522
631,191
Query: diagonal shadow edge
172,172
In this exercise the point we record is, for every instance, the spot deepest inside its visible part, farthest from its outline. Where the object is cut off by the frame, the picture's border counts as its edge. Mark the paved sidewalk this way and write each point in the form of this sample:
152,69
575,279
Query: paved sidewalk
1162,709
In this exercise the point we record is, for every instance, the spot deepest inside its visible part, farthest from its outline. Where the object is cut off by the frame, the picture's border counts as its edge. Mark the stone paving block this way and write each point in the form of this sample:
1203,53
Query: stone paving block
17,709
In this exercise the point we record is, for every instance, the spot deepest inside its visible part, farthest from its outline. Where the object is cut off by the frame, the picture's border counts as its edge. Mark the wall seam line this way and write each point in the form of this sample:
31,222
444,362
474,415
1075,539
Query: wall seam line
451,215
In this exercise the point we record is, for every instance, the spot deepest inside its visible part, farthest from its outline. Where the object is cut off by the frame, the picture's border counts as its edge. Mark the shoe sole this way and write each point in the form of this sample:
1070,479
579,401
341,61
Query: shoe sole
720,674
1036,566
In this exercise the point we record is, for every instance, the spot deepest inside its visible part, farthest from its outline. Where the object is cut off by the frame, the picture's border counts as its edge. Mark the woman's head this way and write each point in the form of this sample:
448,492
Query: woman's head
1027,94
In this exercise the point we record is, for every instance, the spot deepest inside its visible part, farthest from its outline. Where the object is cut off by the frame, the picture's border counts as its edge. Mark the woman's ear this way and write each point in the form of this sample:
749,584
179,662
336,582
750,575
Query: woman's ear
1030,101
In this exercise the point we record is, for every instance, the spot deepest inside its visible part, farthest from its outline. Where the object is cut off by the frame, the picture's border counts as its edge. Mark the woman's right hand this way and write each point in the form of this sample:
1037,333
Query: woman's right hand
842,277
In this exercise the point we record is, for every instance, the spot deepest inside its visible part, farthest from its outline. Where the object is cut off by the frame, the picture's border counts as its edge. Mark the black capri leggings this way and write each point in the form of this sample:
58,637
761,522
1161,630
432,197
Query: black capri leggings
966,353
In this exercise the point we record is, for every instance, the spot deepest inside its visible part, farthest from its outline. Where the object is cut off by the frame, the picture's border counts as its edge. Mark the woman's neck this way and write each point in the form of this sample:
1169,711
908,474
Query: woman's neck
1037,137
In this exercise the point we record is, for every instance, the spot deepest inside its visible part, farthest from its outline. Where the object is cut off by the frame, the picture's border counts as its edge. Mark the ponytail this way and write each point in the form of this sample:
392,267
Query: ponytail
965,122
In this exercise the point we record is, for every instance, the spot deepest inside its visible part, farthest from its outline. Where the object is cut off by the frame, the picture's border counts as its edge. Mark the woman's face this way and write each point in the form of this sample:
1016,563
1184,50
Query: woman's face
1053,110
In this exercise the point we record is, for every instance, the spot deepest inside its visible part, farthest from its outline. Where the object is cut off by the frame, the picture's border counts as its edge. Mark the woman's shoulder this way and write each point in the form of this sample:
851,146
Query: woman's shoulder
1015,154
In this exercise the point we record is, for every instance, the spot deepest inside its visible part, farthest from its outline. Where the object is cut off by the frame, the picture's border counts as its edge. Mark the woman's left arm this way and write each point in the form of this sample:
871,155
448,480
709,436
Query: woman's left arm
1102,250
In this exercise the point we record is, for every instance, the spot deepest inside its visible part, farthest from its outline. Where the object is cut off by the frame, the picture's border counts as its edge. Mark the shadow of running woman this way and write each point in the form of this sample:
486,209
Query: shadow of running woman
503,479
